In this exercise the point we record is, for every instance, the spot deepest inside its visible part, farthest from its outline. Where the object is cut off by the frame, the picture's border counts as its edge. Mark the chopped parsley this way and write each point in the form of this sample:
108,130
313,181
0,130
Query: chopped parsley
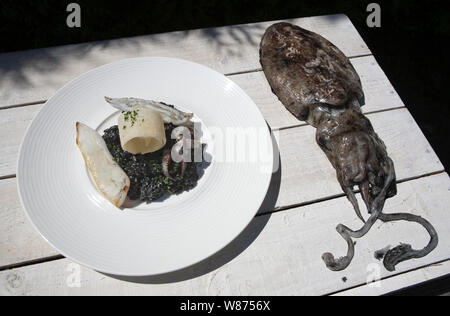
131,116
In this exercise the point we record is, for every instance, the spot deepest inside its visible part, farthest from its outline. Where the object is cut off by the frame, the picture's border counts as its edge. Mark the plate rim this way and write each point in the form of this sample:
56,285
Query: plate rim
132,274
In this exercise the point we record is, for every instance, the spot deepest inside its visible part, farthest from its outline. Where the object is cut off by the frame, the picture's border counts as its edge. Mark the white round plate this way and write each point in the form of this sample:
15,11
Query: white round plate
67,210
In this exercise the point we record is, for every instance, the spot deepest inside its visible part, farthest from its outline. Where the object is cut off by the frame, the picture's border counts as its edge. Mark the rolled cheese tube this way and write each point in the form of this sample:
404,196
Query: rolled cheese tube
141,131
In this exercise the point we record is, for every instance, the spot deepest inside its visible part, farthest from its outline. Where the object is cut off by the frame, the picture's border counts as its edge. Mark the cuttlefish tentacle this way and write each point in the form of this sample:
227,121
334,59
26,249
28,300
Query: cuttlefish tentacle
405,252
376,209
352,198
185,143
365,193
166,161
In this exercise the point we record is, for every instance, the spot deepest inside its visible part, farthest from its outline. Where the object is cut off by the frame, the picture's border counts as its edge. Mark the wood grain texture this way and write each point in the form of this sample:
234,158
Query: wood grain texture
284,256
306,176
13,125
35,75
19,242
380,95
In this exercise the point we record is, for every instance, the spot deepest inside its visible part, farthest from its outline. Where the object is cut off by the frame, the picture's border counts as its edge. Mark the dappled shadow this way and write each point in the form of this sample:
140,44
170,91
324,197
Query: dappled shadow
230,40
20,71
234,249
27,75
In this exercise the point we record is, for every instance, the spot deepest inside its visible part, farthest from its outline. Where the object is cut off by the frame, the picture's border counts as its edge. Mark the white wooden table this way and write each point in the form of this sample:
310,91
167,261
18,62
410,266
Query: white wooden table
280,252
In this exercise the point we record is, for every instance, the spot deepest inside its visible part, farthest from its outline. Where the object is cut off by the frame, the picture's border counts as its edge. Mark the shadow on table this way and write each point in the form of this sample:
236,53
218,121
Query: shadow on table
234,249
21,67
20,70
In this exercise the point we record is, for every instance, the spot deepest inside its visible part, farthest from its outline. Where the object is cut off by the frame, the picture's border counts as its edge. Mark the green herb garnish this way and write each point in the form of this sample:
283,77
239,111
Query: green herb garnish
131,116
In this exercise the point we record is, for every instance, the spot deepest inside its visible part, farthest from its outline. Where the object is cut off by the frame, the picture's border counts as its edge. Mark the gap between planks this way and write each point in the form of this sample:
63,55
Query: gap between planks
226,49
45,271
391,276
276,210
21,105
61,257
337,196
381,96
366,113
226,74
260,69
31,262
272,129
292,127
11,176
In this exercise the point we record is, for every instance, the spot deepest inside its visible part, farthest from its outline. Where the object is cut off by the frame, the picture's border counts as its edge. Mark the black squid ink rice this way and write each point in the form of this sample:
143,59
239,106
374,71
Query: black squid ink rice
147,181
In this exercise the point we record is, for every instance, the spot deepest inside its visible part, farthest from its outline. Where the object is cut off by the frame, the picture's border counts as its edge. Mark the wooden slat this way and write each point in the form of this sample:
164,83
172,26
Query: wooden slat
283,256
401,281
35,75
13,125
380,96
19,242
306,176
379,93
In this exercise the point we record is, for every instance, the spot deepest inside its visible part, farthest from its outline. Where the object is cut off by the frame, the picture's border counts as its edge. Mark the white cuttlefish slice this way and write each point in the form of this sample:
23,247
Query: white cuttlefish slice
169,114
109,177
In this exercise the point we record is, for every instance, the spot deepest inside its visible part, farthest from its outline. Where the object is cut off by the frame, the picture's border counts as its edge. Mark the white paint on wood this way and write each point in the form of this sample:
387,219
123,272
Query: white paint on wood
380,95
306,176
19,242
13,125
34,75
283,258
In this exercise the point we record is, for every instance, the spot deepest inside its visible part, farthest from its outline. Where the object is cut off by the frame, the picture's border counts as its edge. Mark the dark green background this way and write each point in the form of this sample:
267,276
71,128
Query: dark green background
409,46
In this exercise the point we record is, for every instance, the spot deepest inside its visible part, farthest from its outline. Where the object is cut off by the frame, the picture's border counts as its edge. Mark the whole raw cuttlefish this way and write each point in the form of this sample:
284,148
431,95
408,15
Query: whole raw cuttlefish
317,83
305,70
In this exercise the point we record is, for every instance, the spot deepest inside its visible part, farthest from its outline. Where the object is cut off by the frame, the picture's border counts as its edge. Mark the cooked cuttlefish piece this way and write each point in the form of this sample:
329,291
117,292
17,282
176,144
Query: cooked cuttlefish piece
169,113
109,177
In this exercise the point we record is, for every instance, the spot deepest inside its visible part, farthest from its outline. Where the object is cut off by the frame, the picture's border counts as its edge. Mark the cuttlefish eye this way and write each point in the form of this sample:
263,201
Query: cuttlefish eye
323,141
